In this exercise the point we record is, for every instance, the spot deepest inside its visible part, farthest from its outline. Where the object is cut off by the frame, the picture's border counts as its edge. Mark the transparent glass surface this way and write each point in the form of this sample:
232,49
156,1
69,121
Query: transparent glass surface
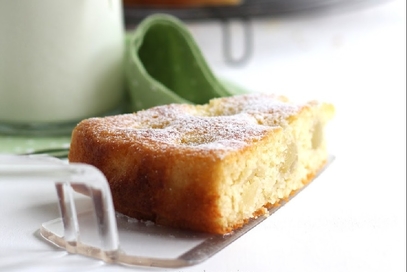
89,225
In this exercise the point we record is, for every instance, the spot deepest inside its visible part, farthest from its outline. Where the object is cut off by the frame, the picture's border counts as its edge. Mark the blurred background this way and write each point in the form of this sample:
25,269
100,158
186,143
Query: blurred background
326,47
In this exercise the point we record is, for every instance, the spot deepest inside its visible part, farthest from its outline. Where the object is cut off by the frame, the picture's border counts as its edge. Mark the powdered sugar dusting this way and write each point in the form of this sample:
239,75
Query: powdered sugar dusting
222,125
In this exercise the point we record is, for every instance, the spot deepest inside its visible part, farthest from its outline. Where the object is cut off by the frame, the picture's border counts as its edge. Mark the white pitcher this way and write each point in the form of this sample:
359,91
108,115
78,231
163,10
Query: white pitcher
60,61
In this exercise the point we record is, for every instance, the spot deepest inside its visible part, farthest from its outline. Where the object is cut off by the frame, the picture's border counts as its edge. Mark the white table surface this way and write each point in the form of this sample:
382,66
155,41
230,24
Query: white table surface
353,217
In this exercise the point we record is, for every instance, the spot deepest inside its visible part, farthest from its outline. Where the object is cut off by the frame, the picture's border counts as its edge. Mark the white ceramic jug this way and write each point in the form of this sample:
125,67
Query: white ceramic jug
60,61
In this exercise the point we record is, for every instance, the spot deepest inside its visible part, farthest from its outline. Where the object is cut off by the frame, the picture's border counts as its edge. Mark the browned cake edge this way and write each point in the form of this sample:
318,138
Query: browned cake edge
127,166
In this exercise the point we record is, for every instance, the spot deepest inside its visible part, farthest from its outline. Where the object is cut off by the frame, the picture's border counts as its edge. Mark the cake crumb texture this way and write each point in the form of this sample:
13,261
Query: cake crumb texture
206,167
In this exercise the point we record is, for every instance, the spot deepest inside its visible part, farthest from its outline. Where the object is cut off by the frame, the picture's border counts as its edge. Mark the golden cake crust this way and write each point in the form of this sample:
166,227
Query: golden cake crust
174,164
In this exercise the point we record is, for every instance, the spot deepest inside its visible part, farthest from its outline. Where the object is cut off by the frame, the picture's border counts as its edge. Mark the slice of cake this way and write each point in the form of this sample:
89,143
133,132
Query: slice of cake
206,167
